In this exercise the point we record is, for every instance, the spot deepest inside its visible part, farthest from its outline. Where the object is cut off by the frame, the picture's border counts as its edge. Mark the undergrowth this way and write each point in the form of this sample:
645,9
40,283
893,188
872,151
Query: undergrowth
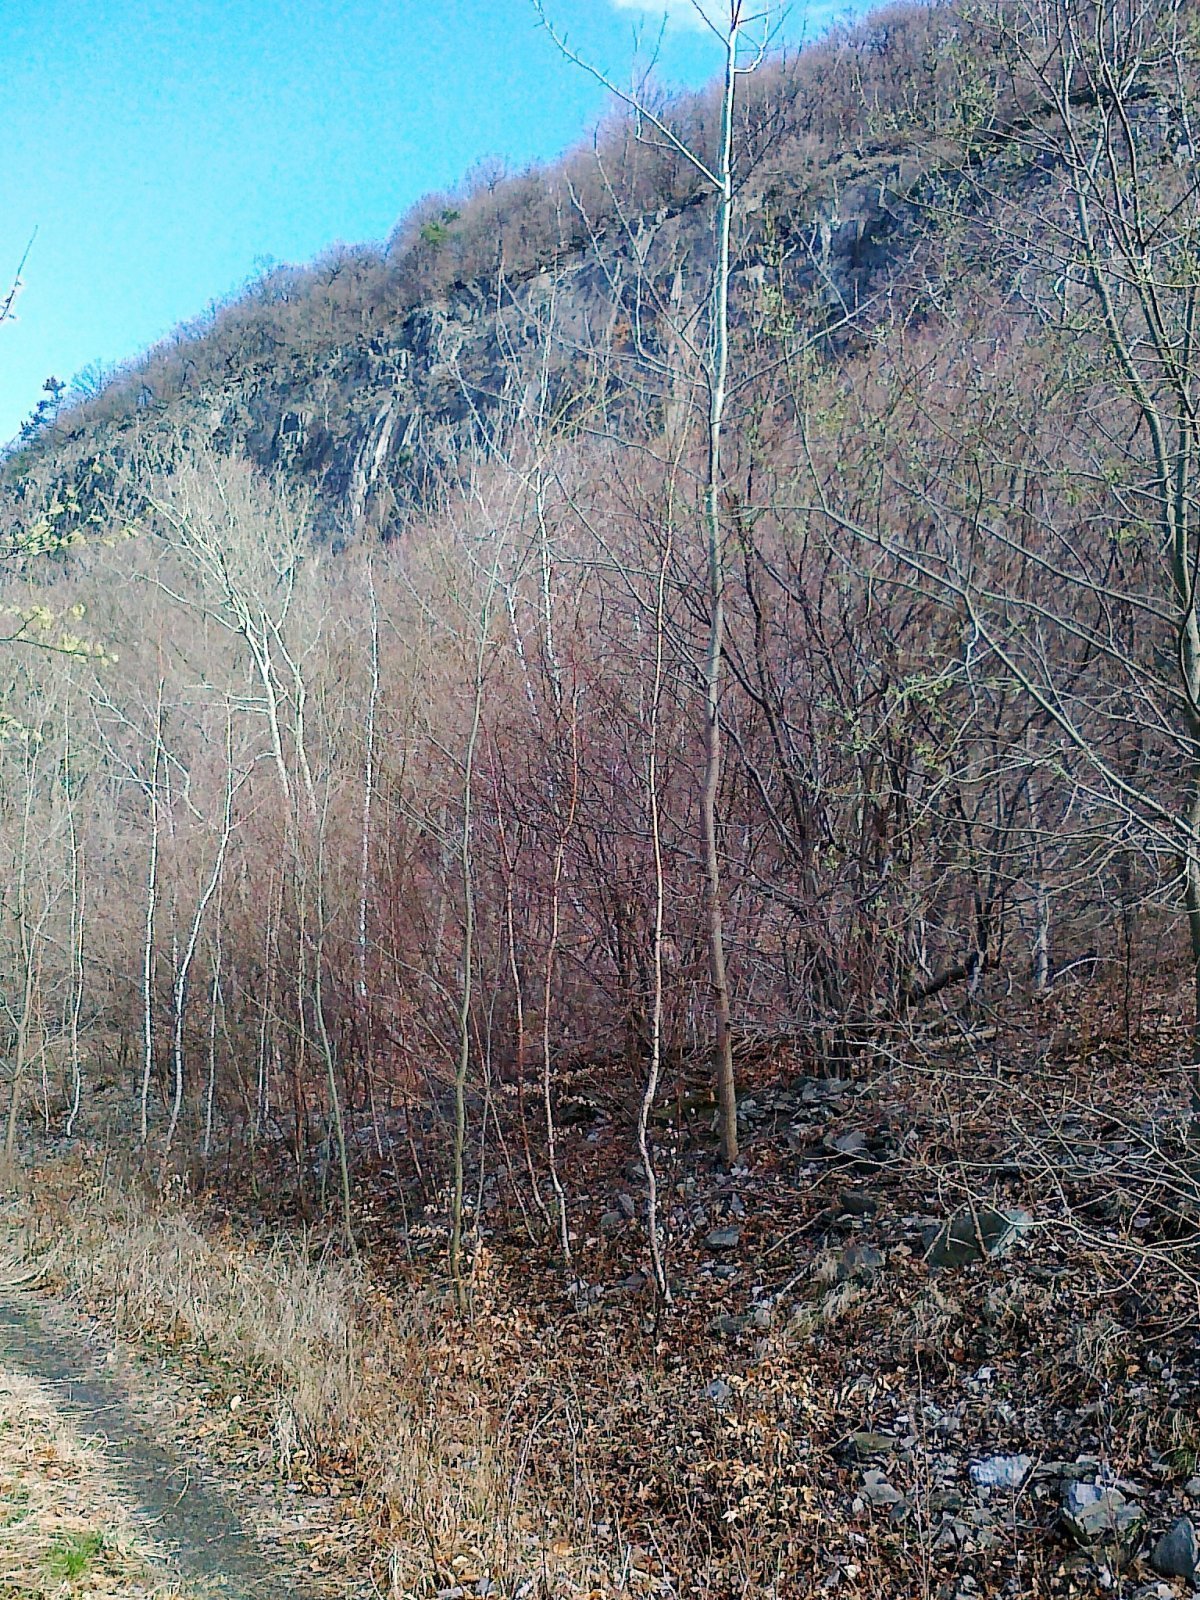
330,1376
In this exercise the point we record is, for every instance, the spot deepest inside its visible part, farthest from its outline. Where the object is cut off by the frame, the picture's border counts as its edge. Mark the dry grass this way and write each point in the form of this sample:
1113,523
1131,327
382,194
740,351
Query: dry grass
332,1379
62,1530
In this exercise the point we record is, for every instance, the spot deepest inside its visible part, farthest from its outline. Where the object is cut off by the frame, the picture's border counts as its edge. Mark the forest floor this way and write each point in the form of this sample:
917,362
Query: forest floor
935,1336
101,1495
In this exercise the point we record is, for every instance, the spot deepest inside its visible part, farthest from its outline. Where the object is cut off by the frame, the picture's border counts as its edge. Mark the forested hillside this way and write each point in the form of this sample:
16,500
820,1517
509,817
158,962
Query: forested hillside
632,759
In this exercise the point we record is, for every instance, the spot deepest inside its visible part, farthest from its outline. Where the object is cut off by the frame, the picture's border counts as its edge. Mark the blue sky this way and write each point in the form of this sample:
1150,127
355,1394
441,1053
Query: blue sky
163,148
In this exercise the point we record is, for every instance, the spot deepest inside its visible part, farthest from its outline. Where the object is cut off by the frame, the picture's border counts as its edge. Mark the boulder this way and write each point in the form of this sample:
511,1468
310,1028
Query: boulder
858,1263
723,1239
1000,1472
865,1444
848,1145
719,1392
974,1236
727,1326
1177,1554
1100,1518
1068,1471
877,1491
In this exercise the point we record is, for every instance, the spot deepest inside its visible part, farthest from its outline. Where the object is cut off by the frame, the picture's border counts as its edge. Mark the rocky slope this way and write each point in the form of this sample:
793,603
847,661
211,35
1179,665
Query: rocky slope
371,394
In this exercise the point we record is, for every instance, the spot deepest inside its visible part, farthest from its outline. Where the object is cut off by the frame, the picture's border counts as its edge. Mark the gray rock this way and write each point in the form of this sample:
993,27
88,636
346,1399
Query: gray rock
726,1325
1000,1472
626,1206
719,1392
878,1491
957,1534
1177,1555
612,1222
858,1263
723,1238
1192,1488
849,1144
812,1091
1102,1518
973,1236
945,1500
857,1203
865,1444
1068,1471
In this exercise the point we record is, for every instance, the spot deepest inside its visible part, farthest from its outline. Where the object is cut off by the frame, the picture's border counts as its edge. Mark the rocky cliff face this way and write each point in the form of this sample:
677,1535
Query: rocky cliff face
372,422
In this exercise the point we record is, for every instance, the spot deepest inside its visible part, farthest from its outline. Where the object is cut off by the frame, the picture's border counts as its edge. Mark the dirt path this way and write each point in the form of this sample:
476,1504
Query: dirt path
210,1548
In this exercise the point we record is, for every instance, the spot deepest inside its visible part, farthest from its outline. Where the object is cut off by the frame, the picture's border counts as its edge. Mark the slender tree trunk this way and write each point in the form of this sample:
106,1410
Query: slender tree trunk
78,894
31,931
364,858
1191,880
650,1091
719,178
718,387
335,1099
148,929
466,868
183,969
214,1003
514,968
1041,898
22,1059
560,1197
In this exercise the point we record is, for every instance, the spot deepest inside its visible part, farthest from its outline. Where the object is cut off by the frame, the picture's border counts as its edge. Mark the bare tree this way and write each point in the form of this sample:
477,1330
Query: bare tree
743,34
